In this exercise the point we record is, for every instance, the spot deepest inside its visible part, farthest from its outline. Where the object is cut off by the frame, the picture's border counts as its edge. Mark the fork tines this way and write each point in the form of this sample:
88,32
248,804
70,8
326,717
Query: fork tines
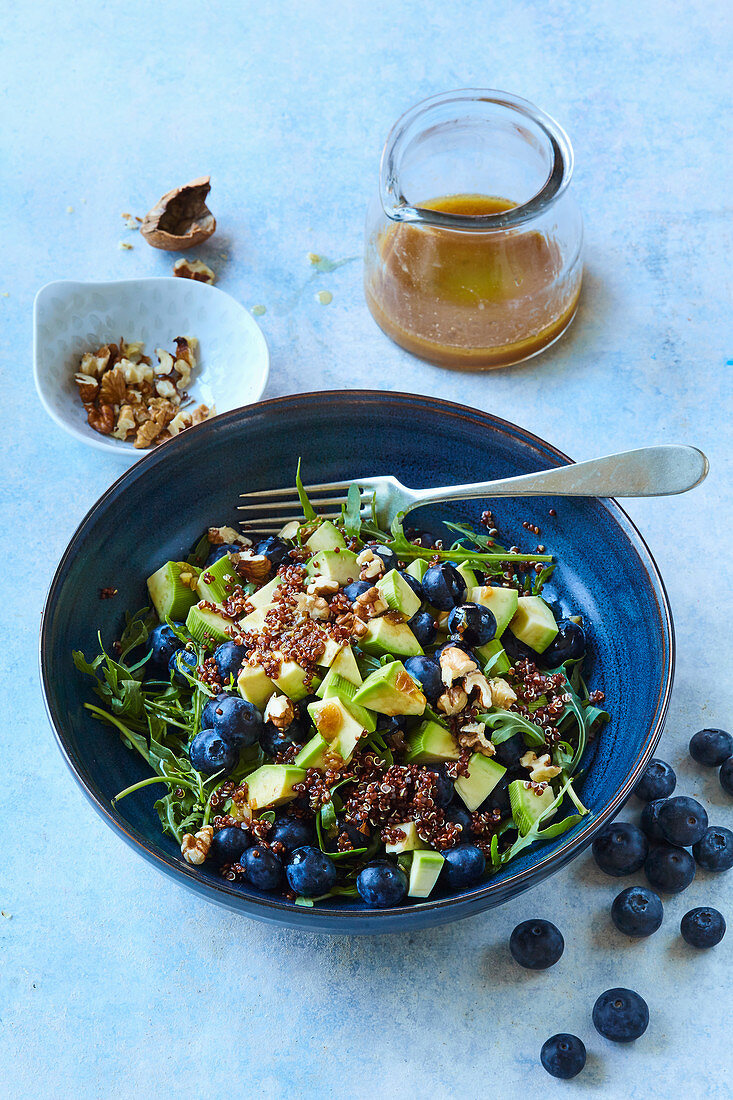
268,510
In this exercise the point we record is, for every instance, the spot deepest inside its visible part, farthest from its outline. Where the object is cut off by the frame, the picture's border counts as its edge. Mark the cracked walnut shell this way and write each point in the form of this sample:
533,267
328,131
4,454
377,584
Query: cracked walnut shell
181,218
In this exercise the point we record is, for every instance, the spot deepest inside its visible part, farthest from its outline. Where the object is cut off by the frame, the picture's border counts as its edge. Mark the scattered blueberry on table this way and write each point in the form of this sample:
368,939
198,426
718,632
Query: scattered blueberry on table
637,911
536,944
682,820
620,848
703,927
658,781
714,850
726,776
620,1015
669,869
563,1056
649,820
711,747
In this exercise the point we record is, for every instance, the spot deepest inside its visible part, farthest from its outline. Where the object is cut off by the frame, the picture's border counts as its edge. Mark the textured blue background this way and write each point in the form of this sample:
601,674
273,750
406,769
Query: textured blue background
114,981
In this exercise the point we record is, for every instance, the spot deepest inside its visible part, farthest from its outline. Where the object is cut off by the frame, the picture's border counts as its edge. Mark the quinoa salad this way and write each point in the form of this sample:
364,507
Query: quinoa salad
344,712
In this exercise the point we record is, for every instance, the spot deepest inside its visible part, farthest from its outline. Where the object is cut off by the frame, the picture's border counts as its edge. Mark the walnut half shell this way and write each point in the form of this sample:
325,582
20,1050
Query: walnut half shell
181,219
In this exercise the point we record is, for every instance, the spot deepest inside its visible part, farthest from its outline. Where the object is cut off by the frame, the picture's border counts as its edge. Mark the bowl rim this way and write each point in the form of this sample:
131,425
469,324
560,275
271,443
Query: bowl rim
335,919
90,437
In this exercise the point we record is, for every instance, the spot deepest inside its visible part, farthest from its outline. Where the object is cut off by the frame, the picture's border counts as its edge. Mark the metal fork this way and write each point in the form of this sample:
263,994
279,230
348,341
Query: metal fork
645,472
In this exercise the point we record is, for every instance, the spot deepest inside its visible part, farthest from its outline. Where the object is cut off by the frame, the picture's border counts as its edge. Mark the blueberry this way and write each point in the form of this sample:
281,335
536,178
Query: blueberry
275,550
703,927
414,584
657,781
682,820
219,552
182,660
563,1056
620,1015
464,865
262,868
427,673
649,820
237,721
426,539
444,791
443,585
498,799
356,589
394,723
669,869
518,651
274,740
228,844
381,884
508,753
292,833
209,753
620,848
714,850
422,625
637,911
209,711
711,747
163,644
567,645
726,776
310,872
458,813
536,944
472,623
229,658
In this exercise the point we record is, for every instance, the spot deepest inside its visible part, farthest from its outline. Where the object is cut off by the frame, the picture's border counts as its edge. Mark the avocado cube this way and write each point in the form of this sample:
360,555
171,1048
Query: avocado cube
254,622
397,594
293,681
493,658
264,597
172,590
502,602
255,686
424,873
330,653
313,754
528,805
272,785
337,725
340,688
431,743
334,565
391,690
469,577
411,840
533,623
483,775
209,625
216,582
325,537
388,635
418,568
345,664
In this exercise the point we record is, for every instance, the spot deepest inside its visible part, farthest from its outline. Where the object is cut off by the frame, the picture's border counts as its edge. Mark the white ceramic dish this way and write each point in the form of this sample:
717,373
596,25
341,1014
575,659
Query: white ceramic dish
70,318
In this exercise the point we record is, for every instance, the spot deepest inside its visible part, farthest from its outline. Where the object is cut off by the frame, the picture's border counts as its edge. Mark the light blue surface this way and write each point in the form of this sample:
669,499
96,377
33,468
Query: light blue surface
113,981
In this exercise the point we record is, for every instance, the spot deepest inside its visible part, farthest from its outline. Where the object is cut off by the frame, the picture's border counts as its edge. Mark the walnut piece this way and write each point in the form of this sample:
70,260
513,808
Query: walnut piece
113,387
370,604
101,418
280,711
322,586
253,567
502,695
455,664
225,536
181,218
452,701
473,736
88,387
477,682
125,422
370,565
314,607
147,433
195,848
194,269
540,768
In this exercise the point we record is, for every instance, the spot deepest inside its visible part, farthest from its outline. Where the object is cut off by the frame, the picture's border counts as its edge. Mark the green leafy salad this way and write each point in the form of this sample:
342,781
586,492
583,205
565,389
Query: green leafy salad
340,711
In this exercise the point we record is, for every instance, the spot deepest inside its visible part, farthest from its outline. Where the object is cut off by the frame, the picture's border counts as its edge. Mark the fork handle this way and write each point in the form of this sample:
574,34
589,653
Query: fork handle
645,472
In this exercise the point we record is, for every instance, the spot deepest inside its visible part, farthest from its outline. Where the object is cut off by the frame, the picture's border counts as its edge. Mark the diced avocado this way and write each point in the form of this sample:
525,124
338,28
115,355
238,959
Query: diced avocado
293,681
424,873
528,805
469,577
493,658
431,743
255,686
325,537
396,592
172,589
314,752
346,666
533,623
388,635
418,568
341,688
483,775
501,601
391,690
272,785
337,725
411,841
254,622
264,597
206,624
330,653
217,581
334,565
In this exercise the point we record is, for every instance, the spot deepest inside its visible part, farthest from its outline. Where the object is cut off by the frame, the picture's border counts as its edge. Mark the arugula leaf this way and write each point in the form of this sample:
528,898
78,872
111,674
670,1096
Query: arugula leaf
309,512
88,667
137,630
352,512
542,578
505,724
405,549
200,552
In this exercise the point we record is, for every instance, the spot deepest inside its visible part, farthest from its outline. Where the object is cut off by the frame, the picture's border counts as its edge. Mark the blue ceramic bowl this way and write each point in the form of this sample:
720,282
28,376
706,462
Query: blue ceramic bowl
158,509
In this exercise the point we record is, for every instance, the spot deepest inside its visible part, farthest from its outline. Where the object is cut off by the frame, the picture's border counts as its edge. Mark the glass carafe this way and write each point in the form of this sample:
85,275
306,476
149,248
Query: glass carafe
474,240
